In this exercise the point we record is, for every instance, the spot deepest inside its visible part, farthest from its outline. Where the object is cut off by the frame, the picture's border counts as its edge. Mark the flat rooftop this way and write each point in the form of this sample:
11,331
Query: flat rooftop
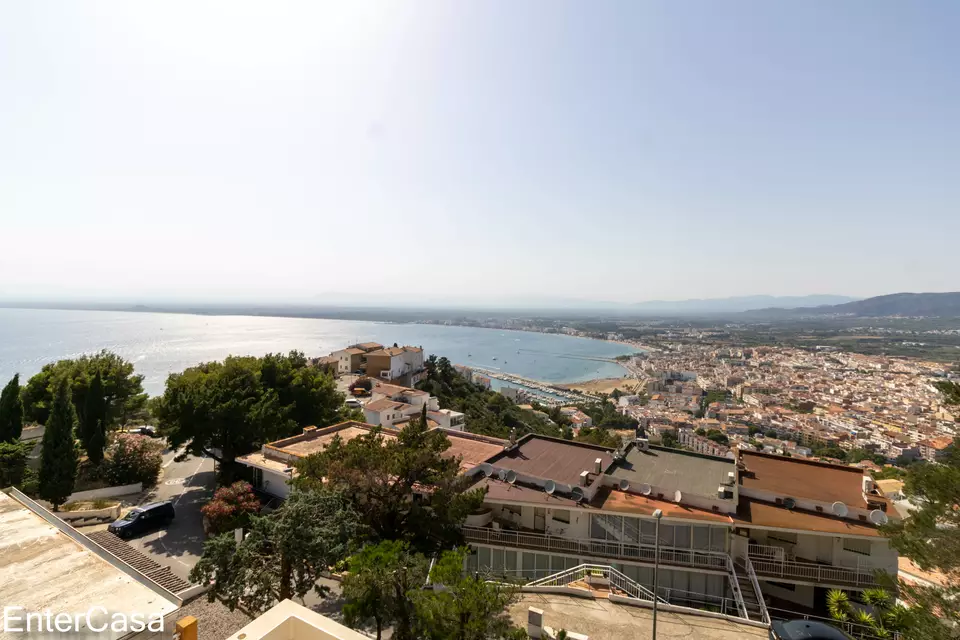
42,567
315,441
796,478
670,470
472,448
764,514
551,458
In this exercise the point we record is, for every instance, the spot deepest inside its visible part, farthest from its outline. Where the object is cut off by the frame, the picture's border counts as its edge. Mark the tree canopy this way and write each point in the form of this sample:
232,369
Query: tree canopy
93,421
122,389
487,412
13,462
58,461
402,487
230,408
379,587
282,554
11,411
465,607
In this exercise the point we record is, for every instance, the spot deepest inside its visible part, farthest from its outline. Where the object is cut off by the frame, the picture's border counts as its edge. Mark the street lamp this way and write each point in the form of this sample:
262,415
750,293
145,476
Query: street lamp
656,566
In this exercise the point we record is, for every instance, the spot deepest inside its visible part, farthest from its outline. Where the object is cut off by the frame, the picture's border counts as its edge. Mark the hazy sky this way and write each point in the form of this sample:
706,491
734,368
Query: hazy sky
442,150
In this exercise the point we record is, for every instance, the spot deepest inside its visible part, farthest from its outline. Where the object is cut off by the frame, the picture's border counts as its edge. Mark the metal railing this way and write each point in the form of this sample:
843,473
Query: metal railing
735,587
756,589
769,552
818,573
587,571
699,558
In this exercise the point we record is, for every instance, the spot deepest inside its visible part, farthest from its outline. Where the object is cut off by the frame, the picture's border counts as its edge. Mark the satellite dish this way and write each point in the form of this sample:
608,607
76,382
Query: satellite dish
840,509
878,517
624,485
486,470
646,489
577,494
789,503
677,496
549,487
502,474
511,476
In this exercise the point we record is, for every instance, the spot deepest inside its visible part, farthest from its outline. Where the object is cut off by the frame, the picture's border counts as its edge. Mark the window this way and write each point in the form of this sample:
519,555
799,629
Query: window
561,515
857,546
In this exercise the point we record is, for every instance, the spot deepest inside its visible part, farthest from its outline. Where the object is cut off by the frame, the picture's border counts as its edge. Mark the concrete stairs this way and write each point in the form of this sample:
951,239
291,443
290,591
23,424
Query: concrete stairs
159,574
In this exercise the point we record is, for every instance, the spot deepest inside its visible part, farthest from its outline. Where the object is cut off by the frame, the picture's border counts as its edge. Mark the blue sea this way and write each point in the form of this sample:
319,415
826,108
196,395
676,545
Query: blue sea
162,343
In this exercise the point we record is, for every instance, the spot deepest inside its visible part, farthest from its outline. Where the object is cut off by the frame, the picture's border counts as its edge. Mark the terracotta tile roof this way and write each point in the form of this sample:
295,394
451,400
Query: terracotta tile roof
316,440
793,477
472,448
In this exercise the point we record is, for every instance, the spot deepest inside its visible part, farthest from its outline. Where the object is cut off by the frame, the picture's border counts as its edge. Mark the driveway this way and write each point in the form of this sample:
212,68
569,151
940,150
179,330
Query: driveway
190,485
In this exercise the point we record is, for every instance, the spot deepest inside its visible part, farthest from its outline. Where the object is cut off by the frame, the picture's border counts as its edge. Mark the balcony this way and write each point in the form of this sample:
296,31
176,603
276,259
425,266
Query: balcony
774,562
698,559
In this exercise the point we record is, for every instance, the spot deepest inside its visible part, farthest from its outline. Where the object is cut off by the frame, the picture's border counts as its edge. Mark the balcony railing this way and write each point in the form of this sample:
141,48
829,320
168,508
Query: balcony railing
699,558
767,567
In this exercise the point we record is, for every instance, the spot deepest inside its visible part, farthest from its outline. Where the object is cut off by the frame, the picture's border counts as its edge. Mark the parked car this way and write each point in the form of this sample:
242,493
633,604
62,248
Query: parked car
805,630
143,519
144,431
353,403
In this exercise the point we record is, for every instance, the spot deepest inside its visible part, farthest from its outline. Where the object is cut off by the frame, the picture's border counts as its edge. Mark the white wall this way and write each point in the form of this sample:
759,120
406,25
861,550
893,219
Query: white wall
276,483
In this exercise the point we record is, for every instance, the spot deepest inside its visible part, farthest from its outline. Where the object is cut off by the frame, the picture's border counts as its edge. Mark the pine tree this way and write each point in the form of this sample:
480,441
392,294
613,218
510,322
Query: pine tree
11,411
58,462
93,426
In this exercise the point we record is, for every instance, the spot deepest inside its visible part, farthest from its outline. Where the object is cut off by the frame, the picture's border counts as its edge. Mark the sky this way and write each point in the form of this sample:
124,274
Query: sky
478,150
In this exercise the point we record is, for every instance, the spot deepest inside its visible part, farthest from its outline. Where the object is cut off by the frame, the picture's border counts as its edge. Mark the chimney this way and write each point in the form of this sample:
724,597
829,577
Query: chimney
307,430
584,476
598,466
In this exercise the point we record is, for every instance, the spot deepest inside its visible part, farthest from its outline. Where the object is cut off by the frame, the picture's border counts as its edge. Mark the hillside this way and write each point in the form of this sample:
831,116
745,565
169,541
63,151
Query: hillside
895,304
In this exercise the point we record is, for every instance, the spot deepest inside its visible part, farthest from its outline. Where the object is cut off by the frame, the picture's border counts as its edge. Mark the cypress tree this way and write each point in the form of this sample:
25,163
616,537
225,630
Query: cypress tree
93,430
58,462
11,411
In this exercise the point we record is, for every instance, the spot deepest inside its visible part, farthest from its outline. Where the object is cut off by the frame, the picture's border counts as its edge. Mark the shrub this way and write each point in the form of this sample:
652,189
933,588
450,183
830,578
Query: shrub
231,507
134,458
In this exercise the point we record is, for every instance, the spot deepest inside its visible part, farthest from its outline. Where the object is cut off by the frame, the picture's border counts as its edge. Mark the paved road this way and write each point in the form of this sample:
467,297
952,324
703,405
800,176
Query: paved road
189,484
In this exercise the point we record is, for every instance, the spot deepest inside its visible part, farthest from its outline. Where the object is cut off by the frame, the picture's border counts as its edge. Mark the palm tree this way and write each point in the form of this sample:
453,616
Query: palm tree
876,598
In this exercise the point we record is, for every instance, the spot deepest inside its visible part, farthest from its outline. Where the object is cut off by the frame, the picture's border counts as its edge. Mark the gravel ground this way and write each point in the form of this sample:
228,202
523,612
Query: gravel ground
214,620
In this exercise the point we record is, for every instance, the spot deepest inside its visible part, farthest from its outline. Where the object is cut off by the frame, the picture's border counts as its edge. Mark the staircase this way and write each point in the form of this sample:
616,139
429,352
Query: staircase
750,590
159,574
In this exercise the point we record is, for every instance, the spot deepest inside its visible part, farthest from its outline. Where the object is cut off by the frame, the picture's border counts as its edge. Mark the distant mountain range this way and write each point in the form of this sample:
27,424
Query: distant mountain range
738,303
894,304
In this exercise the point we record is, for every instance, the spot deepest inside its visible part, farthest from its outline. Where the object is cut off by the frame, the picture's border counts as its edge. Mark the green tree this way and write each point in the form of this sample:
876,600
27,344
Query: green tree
718,436
230,408
58,461
378,587
601,437
770,433
950,391
466,607
11,411
282,554
384,479
122,389
93,421
13,462
669,439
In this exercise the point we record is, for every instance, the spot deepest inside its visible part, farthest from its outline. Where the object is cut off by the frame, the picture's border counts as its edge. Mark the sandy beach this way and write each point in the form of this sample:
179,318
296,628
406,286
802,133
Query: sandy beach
603,385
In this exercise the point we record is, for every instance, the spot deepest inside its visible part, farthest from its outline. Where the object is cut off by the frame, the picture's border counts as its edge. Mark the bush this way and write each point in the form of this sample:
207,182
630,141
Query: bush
231,507
134,458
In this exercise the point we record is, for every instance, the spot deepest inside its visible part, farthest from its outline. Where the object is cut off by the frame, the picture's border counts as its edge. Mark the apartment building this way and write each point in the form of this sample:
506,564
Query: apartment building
734,534
353,359
398,364
392,405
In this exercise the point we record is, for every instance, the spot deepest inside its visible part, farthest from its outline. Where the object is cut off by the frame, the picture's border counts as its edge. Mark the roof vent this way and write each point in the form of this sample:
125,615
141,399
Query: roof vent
598,466
731,477
584,477
722,492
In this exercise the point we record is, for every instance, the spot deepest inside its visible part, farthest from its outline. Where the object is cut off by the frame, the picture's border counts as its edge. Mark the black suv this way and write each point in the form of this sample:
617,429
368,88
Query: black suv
143,519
